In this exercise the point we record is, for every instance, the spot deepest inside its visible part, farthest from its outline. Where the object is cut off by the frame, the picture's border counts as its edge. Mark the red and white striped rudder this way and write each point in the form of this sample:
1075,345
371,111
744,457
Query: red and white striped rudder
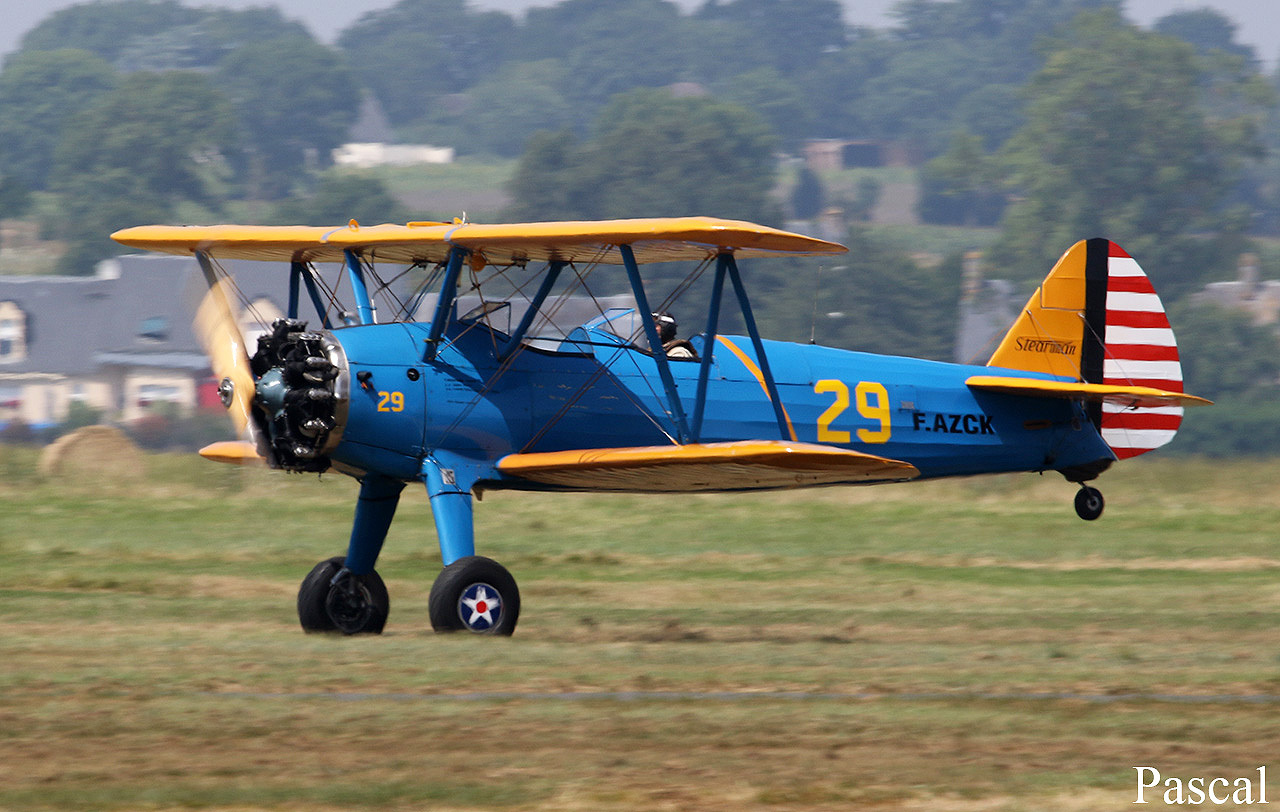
1138,350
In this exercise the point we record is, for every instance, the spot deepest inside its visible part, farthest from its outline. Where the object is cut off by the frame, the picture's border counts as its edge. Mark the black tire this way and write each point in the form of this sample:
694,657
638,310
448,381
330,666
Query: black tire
1089,503
463,597
358,605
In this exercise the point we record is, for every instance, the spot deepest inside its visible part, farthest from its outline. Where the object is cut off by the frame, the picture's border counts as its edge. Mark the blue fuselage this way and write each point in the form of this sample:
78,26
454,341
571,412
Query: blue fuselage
597,391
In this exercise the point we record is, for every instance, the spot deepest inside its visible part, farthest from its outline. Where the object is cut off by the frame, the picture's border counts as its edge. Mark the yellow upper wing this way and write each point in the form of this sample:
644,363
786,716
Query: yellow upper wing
653,240
746,465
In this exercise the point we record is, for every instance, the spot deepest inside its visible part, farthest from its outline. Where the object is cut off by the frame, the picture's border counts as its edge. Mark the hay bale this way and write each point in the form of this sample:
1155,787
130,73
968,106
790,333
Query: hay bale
102,453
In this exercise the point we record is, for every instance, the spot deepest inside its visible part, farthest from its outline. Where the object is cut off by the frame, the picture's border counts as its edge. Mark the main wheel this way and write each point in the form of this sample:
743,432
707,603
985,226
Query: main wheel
474,594
354,604
1089,503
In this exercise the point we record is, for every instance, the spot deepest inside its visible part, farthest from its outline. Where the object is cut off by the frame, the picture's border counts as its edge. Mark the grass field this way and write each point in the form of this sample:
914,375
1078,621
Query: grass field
964,646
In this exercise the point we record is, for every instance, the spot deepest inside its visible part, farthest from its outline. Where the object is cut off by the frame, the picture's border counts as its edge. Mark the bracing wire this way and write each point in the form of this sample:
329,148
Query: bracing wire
578,281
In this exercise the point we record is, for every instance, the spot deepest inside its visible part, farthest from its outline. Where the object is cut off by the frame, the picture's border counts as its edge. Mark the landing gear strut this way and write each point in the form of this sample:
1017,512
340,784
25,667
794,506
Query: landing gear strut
472,593
1089,503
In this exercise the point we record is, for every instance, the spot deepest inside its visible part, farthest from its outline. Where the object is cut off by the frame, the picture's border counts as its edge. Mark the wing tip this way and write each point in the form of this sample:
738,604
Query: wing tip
232,452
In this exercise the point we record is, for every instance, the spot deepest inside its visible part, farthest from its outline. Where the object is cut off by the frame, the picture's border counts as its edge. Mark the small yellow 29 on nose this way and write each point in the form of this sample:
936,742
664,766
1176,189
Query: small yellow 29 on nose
391,401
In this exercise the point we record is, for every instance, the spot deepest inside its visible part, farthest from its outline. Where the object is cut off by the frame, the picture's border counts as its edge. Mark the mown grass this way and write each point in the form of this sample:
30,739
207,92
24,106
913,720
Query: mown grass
953,645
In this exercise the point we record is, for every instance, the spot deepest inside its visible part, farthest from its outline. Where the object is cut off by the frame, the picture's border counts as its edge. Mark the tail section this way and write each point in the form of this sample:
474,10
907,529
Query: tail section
1097,319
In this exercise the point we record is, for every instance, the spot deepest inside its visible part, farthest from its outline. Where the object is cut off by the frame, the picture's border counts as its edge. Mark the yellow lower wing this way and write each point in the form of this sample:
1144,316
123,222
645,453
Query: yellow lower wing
1131,396
753,464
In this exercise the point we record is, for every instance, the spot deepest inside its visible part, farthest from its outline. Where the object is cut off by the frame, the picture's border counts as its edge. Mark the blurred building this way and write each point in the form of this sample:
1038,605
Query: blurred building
1247,293
119,342
371,154
831,154
987,310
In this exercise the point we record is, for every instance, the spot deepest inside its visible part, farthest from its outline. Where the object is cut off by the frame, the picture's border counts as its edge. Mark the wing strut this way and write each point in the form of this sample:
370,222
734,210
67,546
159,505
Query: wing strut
727,266
448,292
713,324
359,289
553,273
301,270
651,331
295,282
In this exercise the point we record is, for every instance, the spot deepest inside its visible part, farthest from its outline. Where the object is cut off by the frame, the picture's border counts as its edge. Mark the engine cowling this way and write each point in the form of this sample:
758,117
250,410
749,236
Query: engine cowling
300,399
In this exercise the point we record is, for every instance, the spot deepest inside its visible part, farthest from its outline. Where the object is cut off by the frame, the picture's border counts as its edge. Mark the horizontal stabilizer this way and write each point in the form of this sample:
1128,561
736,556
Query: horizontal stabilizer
1114,394
747,465
235,452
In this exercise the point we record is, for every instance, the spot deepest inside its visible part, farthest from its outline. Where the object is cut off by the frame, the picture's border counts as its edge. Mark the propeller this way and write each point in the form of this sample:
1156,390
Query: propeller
218,332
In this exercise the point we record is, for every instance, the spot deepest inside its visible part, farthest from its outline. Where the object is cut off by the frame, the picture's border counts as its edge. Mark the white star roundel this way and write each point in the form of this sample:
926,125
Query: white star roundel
480,607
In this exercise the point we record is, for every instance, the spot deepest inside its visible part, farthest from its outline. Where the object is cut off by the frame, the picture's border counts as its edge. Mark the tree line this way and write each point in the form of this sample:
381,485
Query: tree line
1045,120
109,101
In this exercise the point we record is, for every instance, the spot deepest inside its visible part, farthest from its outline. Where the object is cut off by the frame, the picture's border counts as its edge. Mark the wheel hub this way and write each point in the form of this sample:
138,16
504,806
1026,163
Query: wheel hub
480,607
349,604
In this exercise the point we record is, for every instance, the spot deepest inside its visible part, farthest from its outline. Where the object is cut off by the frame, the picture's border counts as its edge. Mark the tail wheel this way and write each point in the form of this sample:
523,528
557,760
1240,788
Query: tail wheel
1089,503
475,594
334,600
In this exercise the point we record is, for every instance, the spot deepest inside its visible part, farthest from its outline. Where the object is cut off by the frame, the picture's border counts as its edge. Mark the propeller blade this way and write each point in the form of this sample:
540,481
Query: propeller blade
219,335
235,452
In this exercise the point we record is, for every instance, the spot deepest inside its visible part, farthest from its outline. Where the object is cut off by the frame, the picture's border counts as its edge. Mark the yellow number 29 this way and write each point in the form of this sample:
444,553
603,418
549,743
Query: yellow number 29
872,402
391,401
825,433
878,411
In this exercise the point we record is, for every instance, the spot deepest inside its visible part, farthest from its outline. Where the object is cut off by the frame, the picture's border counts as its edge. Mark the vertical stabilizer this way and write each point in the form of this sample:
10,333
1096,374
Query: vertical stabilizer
1097,319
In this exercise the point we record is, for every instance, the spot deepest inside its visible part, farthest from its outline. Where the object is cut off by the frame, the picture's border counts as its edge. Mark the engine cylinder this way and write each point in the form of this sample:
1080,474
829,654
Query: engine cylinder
300,402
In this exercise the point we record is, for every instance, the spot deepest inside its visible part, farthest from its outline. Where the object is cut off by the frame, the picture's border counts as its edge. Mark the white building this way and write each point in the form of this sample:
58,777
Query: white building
371,154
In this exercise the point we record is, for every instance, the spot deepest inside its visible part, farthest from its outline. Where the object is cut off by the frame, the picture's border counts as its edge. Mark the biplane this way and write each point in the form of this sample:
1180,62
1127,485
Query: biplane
466,384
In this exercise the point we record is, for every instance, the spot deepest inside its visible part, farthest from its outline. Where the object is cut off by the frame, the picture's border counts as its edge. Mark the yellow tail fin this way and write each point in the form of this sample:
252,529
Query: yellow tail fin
1050,332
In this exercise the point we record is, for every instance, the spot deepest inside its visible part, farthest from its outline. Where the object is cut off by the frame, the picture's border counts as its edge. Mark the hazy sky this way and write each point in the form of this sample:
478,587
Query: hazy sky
1257,23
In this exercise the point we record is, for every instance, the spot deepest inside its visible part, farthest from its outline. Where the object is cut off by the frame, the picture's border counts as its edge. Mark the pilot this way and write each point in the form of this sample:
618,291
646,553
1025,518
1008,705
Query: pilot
674,347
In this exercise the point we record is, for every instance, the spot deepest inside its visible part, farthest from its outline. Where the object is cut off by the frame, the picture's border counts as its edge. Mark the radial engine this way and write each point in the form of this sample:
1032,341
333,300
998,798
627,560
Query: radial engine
300,402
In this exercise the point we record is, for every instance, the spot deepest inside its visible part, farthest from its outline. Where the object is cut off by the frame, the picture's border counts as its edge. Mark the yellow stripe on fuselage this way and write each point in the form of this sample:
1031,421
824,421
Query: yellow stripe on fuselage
759,376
